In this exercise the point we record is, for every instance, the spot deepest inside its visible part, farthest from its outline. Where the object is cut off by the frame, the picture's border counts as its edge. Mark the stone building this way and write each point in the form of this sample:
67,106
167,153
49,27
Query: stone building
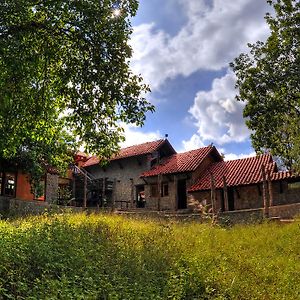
153,176
244,184
123,173
167,183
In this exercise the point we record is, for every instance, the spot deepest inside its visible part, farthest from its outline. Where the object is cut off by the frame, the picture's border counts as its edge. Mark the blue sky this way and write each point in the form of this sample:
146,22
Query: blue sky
182,49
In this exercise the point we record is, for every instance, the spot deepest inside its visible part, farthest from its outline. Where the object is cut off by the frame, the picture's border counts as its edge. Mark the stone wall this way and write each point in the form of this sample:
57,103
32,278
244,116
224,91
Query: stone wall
51,188
248,196
126,173
285,211
163,202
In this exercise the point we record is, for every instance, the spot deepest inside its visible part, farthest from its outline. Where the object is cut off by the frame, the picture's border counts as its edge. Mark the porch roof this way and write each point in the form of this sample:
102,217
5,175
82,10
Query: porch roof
239,172
180,162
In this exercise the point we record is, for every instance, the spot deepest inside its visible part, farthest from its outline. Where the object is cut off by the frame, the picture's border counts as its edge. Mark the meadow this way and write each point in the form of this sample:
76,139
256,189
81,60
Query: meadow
78,256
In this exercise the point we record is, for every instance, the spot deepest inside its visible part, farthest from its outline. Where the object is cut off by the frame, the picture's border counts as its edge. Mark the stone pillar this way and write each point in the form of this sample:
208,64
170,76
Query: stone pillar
51,188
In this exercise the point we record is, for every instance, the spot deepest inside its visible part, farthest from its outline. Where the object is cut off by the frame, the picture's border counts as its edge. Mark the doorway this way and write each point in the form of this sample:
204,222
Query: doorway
230,199
140,196
181,194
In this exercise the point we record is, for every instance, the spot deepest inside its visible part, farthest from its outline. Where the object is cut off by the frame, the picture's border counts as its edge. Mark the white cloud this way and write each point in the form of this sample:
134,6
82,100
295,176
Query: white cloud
215,32
218,116
134,135
195,142
232,156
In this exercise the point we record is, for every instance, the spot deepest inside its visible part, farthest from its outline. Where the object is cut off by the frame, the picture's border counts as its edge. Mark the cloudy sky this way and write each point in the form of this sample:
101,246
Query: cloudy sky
182,48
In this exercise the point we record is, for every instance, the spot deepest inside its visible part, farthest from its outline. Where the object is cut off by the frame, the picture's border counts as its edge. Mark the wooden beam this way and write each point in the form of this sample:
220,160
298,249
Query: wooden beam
103,191
114,194
176,191
213,193
270,189
85,191
225,189
265,192
131,192
159,191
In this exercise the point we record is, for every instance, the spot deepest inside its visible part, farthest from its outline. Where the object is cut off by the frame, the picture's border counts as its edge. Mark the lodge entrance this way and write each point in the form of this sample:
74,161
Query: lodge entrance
230,199
230,195
140,196
181,194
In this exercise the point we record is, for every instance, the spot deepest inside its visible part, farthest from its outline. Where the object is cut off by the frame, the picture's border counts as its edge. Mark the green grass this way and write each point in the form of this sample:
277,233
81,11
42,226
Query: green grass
110,257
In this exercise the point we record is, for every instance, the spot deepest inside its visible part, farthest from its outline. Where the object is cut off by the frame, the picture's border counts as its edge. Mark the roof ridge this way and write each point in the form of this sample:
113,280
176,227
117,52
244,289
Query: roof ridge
159,140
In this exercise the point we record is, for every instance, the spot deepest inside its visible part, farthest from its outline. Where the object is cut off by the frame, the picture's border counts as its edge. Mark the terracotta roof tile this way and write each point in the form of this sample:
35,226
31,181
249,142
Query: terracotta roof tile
180,162
239,172
135,150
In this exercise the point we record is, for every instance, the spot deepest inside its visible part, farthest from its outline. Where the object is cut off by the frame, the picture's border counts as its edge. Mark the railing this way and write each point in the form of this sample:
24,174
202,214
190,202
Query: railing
77,170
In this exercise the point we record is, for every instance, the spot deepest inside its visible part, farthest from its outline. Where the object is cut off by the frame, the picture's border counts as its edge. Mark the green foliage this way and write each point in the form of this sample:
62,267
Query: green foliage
269,83
65,75
109,257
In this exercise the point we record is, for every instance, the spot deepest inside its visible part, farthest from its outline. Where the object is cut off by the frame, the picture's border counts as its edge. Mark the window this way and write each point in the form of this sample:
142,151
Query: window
154,190
9,187
165,189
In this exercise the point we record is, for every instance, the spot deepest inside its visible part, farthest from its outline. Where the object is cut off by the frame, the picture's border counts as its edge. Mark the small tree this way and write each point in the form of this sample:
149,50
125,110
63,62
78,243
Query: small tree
65,76
268,80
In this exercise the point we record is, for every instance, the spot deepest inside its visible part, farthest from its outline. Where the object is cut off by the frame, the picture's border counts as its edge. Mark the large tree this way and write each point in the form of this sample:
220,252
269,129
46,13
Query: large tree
64,73
268,79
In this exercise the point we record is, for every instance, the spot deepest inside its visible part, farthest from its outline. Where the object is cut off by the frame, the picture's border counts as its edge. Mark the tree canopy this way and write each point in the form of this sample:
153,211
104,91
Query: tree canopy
65,77
268,79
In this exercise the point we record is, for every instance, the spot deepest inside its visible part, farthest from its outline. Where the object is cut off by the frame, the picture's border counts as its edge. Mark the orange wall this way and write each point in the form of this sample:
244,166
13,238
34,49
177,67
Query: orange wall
23,187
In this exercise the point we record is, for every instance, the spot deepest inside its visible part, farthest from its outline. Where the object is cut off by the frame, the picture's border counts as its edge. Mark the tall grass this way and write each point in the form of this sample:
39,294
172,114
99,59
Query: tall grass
110,257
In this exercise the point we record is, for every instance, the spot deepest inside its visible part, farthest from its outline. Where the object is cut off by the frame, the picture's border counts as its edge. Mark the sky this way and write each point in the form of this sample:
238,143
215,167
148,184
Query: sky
182,49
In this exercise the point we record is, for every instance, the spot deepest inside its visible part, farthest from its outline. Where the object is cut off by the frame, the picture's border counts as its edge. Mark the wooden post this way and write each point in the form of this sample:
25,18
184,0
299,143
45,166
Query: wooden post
103,191
213,193
270,189
226,206
85,190
176,192
159,191
131,193
114,194
265,192
73,187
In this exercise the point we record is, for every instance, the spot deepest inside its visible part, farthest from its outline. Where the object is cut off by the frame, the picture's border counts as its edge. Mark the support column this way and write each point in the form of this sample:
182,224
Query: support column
159,191
265,192
84,191
213,193
226,205
113,194
132,193
176,192
103,191
270,189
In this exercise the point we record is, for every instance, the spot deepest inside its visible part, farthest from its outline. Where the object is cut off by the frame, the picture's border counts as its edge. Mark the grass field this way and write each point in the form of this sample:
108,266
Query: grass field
110,257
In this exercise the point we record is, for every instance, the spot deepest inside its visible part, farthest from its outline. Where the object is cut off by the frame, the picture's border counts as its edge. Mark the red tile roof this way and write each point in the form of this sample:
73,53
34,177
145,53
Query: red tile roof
239,172
136,150
180,162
